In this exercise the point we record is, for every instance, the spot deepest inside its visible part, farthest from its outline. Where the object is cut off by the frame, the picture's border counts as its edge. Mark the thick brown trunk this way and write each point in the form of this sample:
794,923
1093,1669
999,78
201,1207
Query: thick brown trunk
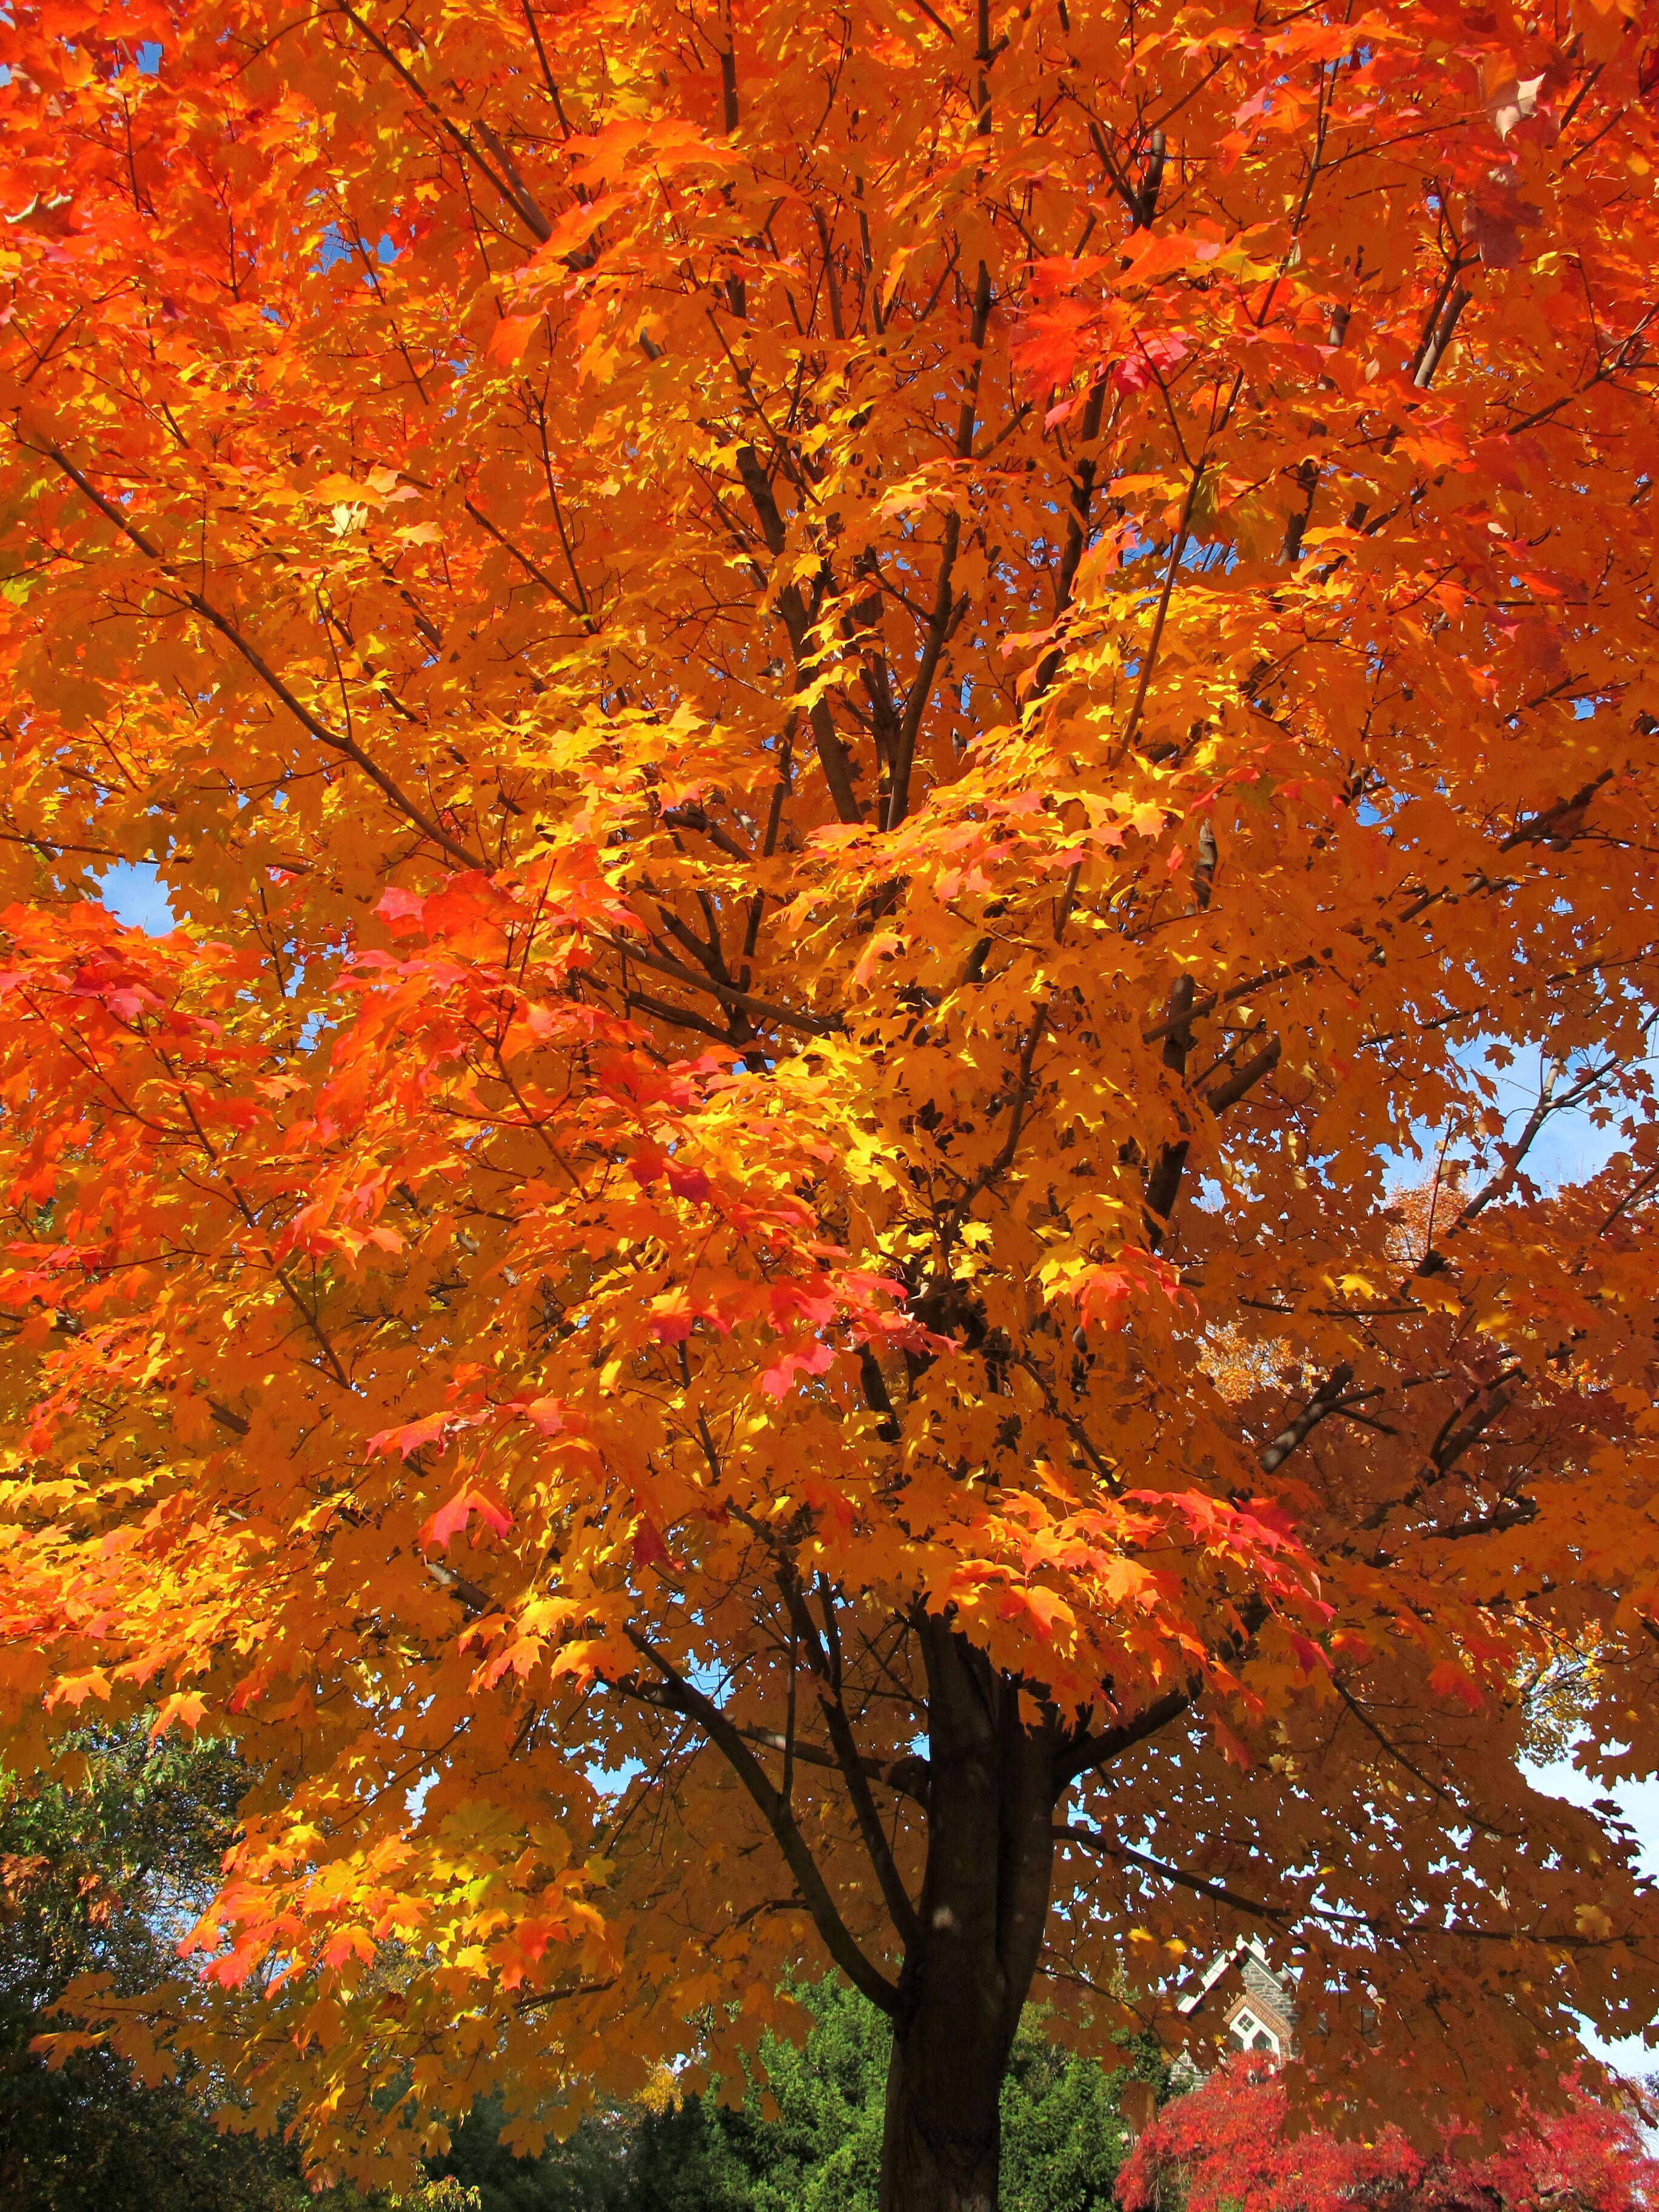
942,2136
984,1905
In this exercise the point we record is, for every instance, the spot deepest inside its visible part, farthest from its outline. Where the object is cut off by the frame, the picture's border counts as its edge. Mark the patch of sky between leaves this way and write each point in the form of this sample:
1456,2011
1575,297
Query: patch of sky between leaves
334,248
1639,1803
135,894
1570,1148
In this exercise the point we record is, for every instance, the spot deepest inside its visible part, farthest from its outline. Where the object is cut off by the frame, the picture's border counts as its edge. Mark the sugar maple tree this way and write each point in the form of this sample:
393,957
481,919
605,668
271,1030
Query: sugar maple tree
1229,2143
847,716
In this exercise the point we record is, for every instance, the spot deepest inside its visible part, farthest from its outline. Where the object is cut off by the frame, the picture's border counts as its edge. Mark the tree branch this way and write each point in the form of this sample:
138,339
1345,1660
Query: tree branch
1004,1158
1400,1758
333,740
514,192
908,1775
1324,1402
682,1697
853,1769
762,1009
525,561
832,753
1216,1890
1245,1078
1099,1749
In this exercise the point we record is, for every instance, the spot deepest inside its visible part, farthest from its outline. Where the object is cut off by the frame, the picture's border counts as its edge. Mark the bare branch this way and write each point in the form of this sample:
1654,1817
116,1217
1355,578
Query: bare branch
1323,1403
682,1697
1244,1080
335,742
1106,1744
1218,1891
510,186
852,1764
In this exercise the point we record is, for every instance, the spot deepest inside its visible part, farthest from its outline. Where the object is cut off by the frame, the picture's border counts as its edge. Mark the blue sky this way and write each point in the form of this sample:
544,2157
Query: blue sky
1565,1152
1639,1804
135,894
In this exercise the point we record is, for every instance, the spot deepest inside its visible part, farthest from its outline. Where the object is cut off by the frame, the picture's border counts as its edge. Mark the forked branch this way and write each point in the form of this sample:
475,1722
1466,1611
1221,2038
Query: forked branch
338,742
684,1698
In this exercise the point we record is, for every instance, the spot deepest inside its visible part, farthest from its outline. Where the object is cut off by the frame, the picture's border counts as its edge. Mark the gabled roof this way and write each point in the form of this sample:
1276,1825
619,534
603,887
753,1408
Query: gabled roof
1246,1946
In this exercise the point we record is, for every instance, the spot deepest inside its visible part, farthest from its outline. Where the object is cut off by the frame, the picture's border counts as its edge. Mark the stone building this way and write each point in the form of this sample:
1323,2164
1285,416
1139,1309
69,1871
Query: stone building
1243,2002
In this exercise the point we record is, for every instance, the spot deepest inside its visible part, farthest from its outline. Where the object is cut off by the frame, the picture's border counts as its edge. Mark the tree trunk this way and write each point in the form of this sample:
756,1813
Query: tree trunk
984,1906
942,2135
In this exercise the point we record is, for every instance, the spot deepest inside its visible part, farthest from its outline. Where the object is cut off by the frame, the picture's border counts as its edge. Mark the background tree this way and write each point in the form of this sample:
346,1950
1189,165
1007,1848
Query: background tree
92,1878
807,2136
849,717
1227,2143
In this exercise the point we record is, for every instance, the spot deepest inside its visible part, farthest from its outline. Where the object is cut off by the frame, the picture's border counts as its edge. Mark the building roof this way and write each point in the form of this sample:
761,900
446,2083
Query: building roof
1247,1946
1252,2003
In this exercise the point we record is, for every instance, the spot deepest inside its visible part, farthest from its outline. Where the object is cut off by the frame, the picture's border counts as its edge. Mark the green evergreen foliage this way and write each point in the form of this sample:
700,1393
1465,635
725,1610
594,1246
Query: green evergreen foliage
589,2173
1063,2140
810,2140
101,1878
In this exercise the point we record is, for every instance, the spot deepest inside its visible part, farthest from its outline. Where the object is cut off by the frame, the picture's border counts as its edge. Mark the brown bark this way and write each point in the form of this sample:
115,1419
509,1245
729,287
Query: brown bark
984,1906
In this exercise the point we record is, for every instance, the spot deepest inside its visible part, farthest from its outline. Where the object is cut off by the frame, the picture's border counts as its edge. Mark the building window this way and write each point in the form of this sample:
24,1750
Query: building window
1251,2033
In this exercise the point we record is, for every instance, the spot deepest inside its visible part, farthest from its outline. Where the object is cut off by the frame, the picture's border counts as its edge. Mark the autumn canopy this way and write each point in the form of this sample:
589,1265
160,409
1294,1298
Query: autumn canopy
879,737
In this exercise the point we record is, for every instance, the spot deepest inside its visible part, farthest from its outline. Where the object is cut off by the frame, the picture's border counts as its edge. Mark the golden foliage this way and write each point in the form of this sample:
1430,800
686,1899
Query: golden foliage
846,715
